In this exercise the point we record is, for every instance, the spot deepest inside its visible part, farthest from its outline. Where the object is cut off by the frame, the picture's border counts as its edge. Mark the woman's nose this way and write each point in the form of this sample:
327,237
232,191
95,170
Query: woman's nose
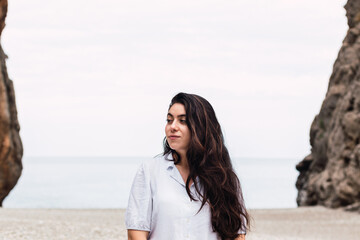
174,125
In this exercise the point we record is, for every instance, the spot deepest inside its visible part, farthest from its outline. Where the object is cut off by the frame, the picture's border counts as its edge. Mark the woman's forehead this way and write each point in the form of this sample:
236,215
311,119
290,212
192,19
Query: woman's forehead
177,109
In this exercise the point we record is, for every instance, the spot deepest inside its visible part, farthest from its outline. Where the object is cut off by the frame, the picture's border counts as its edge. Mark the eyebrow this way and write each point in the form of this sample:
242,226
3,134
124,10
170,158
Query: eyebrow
179,116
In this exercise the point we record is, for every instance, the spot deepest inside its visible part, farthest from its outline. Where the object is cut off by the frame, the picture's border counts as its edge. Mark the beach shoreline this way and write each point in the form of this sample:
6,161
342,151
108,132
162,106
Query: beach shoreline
310,223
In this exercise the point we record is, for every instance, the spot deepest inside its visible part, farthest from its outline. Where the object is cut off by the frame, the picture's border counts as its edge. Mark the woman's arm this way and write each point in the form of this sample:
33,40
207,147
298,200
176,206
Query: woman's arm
241,237
138,235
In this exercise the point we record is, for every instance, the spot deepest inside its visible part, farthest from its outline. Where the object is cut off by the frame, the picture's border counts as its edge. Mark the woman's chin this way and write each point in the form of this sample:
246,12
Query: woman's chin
174,147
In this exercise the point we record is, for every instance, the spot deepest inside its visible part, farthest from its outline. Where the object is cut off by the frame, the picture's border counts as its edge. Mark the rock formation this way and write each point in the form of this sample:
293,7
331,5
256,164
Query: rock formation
330,175
10,144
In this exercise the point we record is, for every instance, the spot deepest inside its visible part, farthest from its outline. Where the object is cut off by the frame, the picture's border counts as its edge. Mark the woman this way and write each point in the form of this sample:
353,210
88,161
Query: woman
191,191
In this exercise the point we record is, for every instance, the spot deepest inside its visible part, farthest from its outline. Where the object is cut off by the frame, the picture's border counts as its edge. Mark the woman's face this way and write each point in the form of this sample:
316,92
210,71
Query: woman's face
176,129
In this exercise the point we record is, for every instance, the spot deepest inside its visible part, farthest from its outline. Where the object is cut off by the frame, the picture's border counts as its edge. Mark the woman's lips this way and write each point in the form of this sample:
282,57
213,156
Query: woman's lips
173,137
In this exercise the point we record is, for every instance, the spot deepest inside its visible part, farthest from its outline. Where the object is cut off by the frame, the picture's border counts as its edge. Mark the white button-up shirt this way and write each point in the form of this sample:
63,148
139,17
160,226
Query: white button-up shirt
159,204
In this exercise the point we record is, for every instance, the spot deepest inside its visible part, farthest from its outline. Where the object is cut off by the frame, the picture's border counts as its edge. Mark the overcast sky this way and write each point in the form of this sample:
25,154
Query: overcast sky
94,78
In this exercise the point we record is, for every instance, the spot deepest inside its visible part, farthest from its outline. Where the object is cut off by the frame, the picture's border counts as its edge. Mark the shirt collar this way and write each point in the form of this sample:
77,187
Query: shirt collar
174,173
169,161
172,170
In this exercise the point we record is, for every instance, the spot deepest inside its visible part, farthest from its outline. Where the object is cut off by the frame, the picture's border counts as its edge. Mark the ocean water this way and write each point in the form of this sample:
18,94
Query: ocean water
96,182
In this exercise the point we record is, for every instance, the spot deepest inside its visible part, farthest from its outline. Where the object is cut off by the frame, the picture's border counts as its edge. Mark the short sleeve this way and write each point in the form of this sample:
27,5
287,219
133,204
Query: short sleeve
242,229
139,210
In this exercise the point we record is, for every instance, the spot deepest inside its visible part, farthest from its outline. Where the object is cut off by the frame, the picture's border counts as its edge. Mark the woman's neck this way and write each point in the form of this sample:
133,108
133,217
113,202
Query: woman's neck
183,161
183,167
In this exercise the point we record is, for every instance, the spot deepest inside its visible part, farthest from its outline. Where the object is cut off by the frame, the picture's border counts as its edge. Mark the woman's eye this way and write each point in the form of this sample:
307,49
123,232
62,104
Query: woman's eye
168,120
183,121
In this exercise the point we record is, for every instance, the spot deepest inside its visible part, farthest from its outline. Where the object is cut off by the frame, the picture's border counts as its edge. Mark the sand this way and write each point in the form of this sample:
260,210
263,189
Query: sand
310,223
315,223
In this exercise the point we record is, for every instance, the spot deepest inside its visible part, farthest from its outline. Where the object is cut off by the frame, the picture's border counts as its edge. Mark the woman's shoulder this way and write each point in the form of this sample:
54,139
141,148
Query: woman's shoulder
157,161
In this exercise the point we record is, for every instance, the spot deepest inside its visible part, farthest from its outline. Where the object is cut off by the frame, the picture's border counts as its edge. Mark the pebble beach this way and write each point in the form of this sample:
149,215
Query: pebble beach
310,223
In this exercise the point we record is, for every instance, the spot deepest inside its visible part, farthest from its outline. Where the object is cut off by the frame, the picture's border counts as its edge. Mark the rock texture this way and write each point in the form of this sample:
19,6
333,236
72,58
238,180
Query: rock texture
330,175
10,144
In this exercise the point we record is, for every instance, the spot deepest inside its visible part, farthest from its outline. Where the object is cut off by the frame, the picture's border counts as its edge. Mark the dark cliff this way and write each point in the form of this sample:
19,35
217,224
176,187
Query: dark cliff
11,149
330,175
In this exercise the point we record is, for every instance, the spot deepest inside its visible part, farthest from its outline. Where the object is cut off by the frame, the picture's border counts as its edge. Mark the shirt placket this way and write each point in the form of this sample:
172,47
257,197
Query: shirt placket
188,220
191,211
190,204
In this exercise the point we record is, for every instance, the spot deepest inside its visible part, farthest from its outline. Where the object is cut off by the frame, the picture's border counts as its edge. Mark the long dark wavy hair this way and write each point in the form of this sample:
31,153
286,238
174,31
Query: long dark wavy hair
209,161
